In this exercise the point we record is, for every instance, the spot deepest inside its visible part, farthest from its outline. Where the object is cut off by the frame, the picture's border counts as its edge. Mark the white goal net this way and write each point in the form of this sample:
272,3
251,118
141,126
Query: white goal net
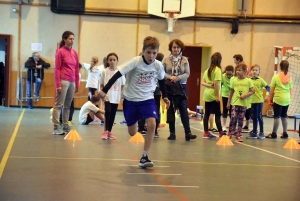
293,57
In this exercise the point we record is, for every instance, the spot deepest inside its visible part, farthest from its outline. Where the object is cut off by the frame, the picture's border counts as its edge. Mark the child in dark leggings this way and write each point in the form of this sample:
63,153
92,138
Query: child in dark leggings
114,95
227,75
241,88
280,97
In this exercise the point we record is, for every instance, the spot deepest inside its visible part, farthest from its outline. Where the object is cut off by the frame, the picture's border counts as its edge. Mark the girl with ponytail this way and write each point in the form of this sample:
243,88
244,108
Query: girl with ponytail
280,98
66,75
94,73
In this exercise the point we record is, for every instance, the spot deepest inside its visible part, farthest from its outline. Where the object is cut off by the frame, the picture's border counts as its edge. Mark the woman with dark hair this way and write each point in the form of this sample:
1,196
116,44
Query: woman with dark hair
177,71
66,75
212,81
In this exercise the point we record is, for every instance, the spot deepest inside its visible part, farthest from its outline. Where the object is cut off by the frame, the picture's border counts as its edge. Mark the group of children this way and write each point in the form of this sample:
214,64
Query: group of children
239,93
242,92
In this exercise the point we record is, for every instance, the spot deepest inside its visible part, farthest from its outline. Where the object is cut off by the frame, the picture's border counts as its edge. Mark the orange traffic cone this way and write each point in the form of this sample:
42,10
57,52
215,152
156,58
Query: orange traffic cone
292,144
225,141
73,135
137,138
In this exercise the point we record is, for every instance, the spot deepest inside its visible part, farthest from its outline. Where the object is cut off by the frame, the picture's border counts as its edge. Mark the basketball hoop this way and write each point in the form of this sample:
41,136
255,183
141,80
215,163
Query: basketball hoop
171,17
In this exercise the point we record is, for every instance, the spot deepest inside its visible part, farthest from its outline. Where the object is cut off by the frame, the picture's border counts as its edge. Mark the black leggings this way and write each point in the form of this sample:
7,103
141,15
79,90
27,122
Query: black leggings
248,113
212,108
225,110
110,118
91,92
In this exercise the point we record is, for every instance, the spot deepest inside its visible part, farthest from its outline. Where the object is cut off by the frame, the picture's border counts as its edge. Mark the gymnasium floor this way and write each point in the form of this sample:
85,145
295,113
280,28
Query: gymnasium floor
37,166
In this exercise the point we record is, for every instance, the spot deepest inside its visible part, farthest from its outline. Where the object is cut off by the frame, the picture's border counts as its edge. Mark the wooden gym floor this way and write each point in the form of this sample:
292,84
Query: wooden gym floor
37,166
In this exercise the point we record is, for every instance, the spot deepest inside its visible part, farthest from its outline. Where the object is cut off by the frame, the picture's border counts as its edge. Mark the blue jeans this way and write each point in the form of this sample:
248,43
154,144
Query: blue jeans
38,83
257,117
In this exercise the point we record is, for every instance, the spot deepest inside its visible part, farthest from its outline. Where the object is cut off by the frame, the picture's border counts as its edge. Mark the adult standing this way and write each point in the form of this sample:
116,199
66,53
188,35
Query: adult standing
177,72
66,81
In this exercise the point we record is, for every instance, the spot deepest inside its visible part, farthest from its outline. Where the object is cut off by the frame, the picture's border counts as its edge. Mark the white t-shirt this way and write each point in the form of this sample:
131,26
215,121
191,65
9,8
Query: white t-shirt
93,76
85,110
140,78
114,93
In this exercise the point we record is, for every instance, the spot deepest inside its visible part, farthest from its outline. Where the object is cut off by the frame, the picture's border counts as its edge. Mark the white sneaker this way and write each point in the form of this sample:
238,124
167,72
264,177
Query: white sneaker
224,129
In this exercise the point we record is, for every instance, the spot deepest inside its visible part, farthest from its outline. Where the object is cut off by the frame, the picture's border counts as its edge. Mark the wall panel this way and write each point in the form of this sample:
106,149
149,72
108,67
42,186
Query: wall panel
102,35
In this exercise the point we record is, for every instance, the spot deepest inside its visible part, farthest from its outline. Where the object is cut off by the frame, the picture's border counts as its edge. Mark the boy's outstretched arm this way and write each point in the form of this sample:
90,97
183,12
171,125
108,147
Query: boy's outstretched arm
112,80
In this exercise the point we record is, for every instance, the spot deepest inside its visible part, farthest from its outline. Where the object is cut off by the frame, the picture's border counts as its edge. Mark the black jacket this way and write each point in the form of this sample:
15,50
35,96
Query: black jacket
30,64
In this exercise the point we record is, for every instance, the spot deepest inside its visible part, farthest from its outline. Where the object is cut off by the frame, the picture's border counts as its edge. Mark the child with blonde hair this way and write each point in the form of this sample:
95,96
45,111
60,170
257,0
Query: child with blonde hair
241,88
257,103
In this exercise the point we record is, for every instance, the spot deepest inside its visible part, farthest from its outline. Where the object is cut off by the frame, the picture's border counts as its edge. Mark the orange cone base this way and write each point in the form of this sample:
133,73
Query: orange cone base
137,138
73,135
224,141
292,144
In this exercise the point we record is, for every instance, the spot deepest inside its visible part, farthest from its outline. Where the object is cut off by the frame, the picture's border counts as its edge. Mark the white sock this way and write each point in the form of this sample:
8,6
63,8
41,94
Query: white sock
145,153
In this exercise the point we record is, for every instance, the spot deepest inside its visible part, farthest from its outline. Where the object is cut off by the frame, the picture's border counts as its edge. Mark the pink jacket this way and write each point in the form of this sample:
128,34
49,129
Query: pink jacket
66,66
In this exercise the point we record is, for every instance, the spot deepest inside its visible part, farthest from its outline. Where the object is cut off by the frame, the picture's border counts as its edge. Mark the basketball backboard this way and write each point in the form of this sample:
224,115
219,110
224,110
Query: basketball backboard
185,8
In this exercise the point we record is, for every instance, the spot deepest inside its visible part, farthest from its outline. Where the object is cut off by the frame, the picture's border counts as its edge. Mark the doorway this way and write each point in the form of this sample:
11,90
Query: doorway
4,68
194,55
199,59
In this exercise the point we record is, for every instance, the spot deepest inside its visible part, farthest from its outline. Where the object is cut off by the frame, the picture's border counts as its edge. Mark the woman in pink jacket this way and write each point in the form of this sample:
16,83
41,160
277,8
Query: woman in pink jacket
66,81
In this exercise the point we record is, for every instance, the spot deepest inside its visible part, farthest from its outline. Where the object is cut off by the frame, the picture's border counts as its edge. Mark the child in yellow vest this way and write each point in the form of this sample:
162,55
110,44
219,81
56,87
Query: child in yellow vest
241,88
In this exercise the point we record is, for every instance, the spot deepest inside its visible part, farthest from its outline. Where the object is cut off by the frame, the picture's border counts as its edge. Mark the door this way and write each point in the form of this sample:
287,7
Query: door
5,67
194,55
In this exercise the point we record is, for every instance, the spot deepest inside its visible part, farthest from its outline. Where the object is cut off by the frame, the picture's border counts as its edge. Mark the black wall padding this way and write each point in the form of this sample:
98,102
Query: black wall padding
68,6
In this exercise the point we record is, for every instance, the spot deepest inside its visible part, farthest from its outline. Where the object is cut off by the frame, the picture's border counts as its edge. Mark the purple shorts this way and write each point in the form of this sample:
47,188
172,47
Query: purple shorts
133,111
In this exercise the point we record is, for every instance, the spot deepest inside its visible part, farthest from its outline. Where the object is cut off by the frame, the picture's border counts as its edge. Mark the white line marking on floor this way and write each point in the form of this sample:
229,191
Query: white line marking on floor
123,165
142,185
258,148
156,173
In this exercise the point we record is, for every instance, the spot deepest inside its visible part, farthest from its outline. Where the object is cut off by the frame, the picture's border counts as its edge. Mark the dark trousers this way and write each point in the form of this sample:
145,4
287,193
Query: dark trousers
212,108
71,112
280,111
248,114
91,92
181,104
225,110
109,121
257,117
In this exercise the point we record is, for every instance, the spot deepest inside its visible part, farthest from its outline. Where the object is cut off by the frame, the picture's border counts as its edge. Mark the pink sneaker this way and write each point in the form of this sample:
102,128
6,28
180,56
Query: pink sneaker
96,119
104,135
111,136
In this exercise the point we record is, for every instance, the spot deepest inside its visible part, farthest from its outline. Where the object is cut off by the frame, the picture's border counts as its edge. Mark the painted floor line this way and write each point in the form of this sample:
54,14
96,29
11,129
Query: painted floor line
162,161
123,165
145,173
10,144
174,186
264,150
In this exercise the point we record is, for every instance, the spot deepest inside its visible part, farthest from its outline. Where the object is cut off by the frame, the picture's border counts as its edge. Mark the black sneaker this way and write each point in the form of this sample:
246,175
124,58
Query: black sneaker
213,130
190,136
252,135
284,135
145,162
272,135
142,132
172,136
